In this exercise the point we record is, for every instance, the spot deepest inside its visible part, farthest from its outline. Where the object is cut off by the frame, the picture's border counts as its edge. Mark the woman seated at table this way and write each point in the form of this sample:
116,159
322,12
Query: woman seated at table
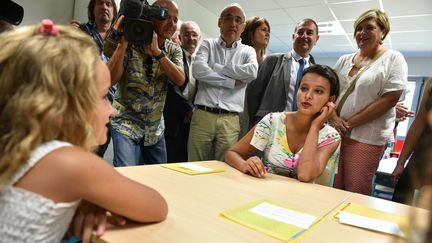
295,144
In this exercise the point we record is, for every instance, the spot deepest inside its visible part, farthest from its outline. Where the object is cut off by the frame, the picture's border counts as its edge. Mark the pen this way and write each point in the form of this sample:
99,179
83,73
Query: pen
344,207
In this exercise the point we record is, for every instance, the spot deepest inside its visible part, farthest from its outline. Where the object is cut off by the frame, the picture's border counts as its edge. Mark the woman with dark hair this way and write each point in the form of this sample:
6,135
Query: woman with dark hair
257,35
295,144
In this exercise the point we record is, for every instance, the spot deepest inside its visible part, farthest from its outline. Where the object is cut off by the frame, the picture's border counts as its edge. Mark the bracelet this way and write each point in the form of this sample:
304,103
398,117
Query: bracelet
160,56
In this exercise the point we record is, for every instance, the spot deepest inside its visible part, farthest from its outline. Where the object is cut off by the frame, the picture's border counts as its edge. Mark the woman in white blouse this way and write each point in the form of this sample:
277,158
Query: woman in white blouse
365,115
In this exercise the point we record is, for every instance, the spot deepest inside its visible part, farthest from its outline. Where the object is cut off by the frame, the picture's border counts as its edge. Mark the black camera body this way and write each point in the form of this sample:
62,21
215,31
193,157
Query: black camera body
137,26
11,12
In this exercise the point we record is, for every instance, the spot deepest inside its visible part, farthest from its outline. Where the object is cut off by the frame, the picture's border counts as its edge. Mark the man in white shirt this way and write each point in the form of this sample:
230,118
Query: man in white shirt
223,67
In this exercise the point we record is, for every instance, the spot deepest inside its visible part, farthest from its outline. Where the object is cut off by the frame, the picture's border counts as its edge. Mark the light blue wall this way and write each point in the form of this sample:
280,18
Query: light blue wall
417,66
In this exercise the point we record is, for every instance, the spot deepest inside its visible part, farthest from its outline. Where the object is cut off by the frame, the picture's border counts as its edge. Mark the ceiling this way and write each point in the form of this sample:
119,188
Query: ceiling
410,22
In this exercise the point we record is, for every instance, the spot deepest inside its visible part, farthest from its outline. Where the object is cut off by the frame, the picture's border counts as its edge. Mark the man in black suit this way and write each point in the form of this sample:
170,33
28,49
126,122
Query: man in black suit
179,101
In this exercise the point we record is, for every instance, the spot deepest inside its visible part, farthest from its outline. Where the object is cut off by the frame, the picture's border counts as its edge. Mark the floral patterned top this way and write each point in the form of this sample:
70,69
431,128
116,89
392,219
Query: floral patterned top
270,137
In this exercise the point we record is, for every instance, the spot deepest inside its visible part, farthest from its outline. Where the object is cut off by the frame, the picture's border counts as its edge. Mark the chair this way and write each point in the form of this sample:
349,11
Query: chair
327,177
382,184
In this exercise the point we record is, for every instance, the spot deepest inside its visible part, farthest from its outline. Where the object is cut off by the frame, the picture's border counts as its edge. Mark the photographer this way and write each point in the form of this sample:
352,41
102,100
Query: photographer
143,72
100,18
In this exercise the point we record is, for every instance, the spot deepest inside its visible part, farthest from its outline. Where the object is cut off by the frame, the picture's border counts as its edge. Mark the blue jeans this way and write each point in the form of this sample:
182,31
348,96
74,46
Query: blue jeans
129,153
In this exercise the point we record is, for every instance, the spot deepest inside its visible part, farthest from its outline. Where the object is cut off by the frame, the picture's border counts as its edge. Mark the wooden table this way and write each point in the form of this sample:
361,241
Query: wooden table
332,231
195,203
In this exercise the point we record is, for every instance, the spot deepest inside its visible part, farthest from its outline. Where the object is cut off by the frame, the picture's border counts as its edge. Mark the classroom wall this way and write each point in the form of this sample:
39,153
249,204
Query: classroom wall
56,10
61,11
417,66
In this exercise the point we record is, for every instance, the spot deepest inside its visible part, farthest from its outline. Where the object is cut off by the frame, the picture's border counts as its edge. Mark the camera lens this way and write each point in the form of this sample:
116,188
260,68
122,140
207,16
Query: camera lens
138,31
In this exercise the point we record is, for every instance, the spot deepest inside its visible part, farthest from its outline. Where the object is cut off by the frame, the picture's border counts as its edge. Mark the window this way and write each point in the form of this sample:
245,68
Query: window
412,100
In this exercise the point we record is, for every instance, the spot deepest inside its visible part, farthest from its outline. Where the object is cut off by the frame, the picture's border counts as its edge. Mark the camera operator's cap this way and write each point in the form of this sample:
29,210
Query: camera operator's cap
11,12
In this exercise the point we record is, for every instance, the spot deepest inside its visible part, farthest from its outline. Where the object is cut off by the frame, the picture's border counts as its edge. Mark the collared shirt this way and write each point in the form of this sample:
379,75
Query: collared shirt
90,28
295,64
190,89
216,69
141,93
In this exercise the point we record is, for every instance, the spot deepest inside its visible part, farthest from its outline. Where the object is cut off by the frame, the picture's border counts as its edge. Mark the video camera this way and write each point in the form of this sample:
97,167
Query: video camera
11,12
137,26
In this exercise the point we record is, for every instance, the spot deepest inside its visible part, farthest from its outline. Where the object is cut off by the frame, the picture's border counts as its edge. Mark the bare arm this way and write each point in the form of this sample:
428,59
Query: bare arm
369,113
175,73
78,174
313,160
416,129
239,157
116,51
375,109
99,183
115,63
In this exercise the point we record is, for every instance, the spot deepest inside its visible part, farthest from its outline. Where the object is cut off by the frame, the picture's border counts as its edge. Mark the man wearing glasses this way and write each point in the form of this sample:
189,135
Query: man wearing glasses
222,68
179,101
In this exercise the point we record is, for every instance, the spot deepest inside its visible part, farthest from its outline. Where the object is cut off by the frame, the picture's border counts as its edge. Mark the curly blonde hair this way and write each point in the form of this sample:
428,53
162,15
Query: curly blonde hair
47,92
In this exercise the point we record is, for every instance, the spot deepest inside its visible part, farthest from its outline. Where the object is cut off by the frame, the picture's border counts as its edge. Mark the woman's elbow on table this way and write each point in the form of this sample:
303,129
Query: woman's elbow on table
161,213
304,176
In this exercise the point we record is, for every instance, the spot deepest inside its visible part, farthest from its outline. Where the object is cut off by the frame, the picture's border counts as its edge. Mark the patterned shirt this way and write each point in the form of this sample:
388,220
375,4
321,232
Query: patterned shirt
141,93
270,137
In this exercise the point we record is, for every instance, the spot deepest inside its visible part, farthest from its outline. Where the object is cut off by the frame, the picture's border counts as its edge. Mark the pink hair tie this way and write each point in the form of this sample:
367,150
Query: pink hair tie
48,28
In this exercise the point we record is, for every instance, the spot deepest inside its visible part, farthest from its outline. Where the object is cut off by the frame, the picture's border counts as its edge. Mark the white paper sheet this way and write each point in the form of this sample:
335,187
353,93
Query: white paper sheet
370,223
195,167
284,215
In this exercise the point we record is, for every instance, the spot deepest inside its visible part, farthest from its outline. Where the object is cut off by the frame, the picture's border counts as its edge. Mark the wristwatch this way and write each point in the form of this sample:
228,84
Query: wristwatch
160,56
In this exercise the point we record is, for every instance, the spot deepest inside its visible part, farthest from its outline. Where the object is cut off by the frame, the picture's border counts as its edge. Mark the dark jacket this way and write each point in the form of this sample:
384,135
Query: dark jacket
271,89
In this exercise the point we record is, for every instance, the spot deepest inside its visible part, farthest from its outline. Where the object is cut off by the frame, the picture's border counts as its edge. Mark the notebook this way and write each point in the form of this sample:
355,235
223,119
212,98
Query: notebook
191,168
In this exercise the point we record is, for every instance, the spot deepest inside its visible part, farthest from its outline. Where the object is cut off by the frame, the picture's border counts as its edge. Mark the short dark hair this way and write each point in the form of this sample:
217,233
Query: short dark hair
307,20
90,9
328,73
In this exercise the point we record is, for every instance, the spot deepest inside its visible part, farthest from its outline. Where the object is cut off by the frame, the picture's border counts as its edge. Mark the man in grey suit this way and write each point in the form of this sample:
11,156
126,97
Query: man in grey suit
276,84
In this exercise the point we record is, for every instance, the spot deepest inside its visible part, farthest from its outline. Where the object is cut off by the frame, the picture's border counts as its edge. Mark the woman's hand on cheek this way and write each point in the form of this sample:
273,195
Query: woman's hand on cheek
325,114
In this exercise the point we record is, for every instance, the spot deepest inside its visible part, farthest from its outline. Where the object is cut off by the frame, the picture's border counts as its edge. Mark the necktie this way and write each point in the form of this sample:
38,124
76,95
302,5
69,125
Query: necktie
192,86
302,63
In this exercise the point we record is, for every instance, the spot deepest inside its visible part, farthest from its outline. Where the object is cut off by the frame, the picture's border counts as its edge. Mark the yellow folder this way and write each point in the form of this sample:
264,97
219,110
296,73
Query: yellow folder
372,219
191,168
272,219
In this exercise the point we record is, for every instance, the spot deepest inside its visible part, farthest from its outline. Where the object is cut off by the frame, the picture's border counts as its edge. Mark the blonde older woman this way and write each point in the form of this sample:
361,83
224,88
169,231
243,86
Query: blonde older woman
372,80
